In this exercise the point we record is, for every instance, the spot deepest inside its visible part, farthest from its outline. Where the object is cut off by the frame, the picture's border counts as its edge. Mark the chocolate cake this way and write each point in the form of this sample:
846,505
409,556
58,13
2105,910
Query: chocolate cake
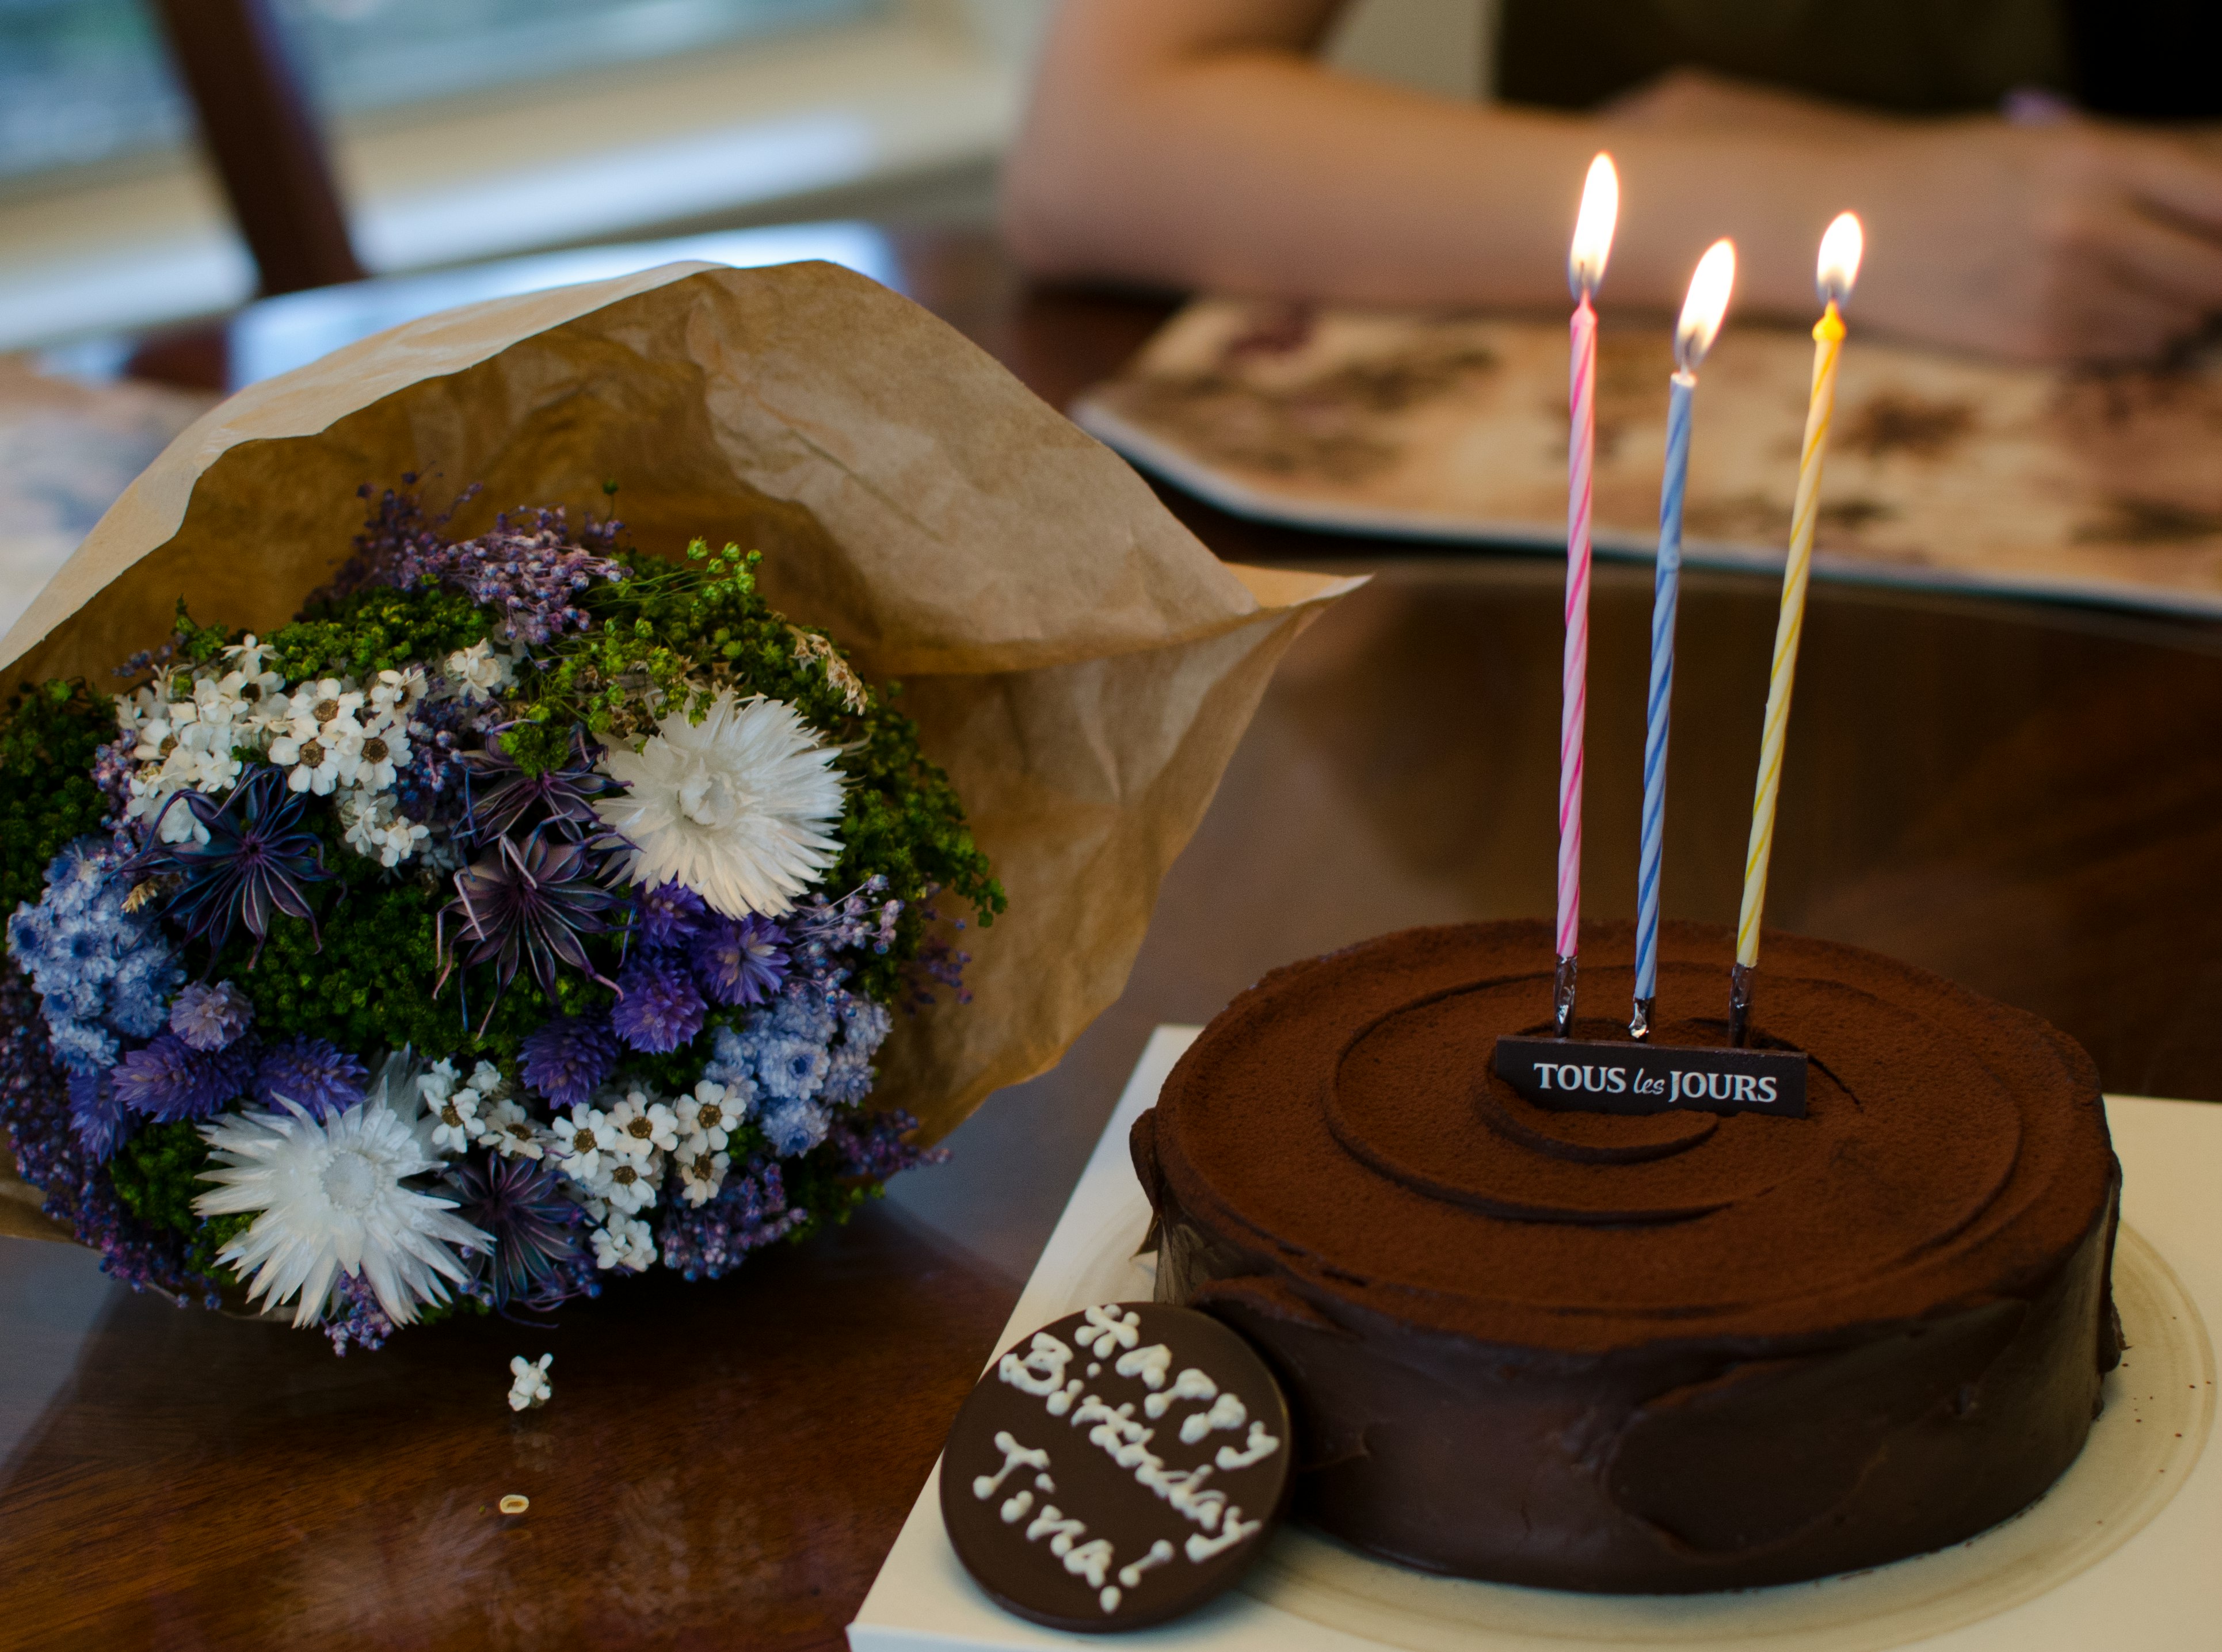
1673,1351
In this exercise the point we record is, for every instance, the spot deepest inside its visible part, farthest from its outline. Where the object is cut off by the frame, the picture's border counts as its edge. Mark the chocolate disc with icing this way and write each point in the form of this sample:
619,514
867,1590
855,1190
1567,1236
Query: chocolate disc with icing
1116,1468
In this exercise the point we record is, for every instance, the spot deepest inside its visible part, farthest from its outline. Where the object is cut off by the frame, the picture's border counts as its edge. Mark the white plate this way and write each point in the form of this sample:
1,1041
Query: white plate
2121,1554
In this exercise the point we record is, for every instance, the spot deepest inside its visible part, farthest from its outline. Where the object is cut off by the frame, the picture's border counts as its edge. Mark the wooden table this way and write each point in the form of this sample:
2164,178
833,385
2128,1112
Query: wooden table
2027,798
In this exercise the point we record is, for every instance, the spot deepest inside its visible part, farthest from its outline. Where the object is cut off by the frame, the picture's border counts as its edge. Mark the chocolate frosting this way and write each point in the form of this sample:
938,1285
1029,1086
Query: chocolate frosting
1658,1352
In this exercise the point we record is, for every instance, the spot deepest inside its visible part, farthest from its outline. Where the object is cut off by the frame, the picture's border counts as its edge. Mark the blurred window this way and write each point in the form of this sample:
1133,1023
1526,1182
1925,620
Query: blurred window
82,81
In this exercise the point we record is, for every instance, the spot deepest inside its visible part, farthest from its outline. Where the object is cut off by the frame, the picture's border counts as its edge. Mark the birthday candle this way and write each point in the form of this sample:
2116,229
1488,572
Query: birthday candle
1707,302
1839,268
1585,263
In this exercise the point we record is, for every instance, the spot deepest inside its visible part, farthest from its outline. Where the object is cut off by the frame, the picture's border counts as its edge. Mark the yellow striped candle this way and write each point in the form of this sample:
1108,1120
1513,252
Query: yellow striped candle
1839,268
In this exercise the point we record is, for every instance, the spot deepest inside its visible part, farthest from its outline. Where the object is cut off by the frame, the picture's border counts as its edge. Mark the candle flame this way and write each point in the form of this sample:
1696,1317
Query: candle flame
1841,248
1707,303
1593,227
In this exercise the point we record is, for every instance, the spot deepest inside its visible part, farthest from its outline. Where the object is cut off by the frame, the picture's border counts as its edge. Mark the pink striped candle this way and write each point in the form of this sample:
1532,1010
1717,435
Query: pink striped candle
1593,228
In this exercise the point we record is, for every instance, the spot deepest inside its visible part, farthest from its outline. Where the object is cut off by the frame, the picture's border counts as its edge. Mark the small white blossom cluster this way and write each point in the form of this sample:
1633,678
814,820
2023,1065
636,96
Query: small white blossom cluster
331,735
623,1150
187,730
529,1385
480,671
477,1111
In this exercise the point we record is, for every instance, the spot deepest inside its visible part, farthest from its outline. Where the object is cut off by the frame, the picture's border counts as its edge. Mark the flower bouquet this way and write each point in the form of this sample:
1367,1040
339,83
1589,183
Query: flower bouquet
605,876
522,901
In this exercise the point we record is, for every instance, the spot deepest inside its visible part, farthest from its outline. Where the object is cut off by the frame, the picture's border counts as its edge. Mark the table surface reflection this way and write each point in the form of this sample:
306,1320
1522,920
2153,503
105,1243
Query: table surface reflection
2027,798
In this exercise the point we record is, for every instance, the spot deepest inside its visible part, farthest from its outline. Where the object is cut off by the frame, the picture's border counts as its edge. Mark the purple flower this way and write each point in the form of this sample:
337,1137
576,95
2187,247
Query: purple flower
314,1074
34,1109
355,1316
658,1009
170,1079
529,567
259,859
534,1224
670,915
876,1145
506,801
567,1057
210,1018
528,906
96,1115
741,962
748,1213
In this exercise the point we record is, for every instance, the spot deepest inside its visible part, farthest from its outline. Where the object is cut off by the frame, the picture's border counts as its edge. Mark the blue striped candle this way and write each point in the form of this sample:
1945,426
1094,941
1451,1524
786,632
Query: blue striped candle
1665,592
1702,310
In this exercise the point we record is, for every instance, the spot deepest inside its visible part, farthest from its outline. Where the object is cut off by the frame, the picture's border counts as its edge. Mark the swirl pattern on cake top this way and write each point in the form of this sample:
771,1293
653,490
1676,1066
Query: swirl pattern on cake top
1671,1351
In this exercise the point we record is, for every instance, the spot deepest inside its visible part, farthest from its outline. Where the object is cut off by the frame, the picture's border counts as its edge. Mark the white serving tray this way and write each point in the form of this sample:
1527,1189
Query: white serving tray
2125,1553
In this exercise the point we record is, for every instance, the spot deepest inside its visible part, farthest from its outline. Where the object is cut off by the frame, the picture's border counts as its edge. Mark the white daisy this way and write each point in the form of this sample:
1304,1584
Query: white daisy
506,1128
702,1174
529,1385
381,754
624,1242
737,808
642,1125
585,1140
713,1113
455,1120
629,1185
331,1200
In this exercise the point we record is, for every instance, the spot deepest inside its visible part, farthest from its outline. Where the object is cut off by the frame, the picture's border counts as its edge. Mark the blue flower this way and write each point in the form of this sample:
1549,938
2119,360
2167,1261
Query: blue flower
210,1018
96,1114
792,1126
804,1011
314,1074
83,1046
568,1057
170,1079
658,1009
670,915
792,1068
741,961
100,971
848,1076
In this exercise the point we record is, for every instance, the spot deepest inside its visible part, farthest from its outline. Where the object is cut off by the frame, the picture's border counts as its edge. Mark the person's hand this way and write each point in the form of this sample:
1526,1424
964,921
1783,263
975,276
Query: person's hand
2074,243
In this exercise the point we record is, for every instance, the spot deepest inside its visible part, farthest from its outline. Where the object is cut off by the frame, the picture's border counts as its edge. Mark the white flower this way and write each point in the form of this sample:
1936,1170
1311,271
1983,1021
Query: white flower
624,1242
585,1140
629,1185
641,1125
455,1120
331,1200
702,1174
529,1385
737,808
317,710
315,764
716,1111
376,830
506,1128
480,671
380,754
248,657
395,691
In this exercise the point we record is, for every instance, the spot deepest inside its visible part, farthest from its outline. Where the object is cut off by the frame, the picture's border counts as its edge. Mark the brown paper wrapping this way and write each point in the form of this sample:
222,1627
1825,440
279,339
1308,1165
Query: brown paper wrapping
1081,664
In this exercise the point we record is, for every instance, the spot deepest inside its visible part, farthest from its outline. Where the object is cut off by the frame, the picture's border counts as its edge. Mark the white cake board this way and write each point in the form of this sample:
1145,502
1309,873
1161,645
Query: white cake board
2125,1553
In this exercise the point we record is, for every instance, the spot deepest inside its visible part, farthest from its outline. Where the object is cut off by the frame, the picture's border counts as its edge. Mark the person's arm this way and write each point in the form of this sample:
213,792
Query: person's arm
1196,143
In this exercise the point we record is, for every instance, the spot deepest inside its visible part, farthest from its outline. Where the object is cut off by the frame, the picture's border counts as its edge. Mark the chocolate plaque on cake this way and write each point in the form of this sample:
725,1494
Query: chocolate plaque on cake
1117,1467
1590,1075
